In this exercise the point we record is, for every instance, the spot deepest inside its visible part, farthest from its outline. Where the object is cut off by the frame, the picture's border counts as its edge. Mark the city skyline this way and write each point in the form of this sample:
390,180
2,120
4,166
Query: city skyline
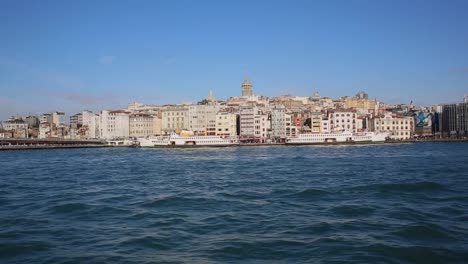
85,55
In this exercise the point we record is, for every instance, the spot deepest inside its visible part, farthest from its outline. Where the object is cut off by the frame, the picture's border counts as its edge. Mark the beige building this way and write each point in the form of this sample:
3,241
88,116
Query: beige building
226,124
157,125
360,103
202,119
262,127
316,123
398,127
141,125
175,119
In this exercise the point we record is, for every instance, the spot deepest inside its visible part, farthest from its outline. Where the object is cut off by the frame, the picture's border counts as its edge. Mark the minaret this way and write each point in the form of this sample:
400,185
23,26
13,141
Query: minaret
247,88
211,97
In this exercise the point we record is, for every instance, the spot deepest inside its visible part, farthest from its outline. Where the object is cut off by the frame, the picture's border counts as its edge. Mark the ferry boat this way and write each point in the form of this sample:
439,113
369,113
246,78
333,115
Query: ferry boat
176,140
340,137
120,143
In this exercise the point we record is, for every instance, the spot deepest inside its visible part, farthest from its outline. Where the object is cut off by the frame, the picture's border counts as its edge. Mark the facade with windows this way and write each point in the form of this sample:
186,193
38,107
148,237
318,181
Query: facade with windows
141,125
226,124
344,120
202,119
114,124
397,127
175,119
455,120
278,122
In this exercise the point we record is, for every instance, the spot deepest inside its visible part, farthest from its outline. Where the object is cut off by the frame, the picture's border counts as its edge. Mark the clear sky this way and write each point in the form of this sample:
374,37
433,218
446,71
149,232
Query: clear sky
75,55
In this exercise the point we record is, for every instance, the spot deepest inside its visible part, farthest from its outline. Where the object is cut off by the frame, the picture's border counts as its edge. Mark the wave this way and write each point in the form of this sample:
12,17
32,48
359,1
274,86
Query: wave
70,208
160,243
352,210
23,248
415,254
309,193
423,232
182,202
273,249
423,186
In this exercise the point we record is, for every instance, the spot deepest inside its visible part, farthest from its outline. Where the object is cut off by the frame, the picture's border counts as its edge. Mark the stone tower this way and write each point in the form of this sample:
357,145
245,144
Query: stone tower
247,88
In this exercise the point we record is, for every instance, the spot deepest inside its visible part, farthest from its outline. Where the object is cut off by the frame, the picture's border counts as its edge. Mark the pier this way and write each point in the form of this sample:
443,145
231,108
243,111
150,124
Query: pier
18,144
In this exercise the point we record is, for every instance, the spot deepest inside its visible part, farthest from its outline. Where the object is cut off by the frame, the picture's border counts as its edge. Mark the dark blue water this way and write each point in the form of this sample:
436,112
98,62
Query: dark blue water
332,204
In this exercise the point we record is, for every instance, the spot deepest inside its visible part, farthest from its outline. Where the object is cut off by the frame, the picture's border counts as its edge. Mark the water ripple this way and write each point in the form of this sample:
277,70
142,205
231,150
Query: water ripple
404,203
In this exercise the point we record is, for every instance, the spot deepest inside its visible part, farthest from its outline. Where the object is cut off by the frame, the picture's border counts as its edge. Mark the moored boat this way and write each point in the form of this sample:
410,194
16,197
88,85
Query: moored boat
176,140
336,138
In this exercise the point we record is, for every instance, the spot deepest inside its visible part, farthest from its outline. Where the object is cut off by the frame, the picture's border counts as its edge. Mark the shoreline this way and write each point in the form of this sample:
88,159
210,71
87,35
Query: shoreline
72,146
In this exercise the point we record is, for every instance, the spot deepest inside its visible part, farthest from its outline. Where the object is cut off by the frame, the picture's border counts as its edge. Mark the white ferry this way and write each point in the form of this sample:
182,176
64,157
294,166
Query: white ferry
120,143
175,140
340,137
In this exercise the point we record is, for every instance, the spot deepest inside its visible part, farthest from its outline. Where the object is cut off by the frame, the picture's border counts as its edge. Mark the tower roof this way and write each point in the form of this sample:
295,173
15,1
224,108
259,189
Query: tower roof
247,81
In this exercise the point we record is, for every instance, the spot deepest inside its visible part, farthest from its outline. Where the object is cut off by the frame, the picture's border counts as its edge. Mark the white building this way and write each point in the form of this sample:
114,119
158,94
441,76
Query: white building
262,126
141,125
18,126
114,124
90,124
45,130
175,119
226,124
325,125
344,119
398,127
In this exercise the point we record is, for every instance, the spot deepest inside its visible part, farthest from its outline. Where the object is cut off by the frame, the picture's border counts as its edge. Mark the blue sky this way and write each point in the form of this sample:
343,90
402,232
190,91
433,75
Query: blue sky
75,55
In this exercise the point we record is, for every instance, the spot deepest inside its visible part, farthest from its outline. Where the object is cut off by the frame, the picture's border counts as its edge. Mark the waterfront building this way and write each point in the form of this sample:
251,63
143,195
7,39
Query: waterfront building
278,122
76,121
262,127
45,118
90,125
325,125
247,120
175,119
5,134
344,119
316,123
33,121
254,125
290,126
157,124
54,125
398,127
45,130
58,118
247,87
140,125
226,124
455,120
202,119
114,124
18,127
